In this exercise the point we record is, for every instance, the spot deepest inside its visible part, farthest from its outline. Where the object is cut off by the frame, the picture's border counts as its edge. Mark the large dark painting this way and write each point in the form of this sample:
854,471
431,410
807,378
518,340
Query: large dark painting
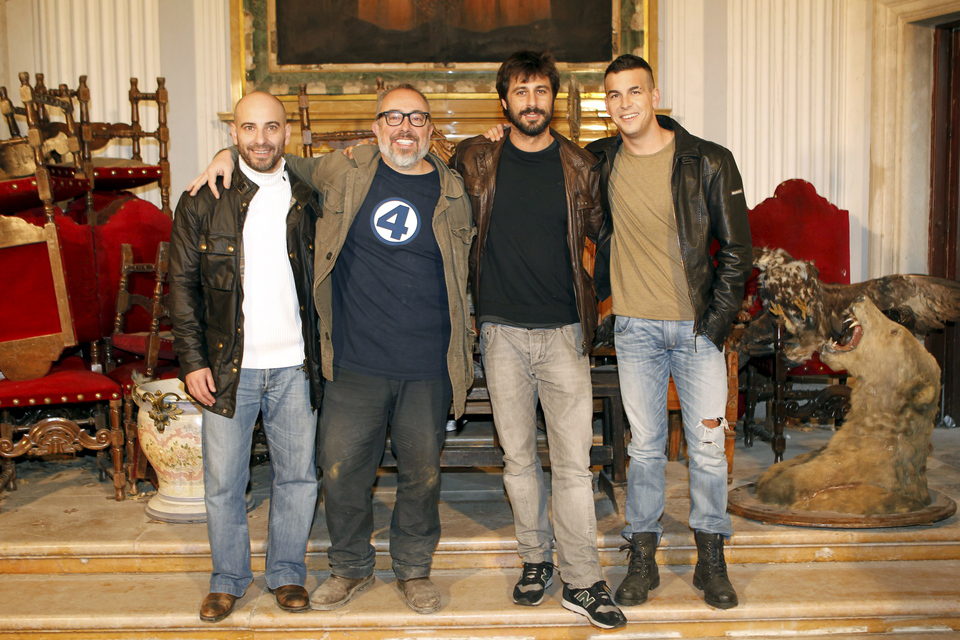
321,32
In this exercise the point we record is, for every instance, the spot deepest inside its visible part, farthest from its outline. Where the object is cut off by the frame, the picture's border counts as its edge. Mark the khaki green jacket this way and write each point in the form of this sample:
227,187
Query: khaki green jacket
343,184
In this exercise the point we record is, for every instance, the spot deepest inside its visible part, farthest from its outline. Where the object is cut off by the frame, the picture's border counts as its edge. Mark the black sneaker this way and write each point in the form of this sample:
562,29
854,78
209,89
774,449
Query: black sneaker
534,581
596,604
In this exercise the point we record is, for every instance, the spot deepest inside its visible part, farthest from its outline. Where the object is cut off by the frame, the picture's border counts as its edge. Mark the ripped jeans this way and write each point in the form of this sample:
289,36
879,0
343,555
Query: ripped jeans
648,353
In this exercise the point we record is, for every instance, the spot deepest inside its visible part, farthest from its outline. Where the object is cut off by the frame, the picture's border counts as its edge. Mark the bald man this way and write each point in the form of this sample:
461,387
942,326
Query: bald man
245,329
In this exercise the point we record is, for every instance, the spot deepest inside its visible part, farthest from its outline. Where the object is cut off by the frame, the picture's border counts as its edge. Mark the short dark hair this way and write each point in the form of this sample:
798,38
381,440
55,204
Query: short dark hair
525,65
629,61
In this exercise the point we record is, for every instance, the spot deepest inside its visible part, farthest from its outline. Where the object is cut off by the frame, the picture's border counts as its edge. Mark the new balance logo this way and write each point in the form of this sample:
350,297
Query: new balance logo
585,599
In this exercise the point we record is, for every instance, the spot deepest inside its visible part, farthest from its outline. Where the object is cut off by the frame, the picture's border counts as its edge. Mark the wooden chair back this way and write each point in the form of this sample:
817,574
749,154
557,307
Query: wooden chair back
97,135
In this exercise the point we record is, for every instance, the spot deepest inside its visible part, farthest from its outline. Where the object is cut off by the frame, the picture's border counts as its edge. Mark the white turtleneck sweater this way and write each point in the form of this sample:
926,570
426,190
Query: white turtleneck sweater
272,333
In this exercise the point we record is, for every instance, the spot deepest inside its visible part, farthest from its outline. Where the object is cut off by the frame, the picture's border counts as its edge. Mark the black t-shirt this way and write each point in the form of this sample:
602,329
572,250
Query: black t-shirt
390,312
525,273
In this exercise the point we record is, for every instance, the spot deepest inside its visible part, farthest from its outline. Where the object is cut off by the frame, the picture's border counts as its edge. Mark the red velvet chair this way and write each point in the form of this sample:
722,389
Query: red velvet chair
44,410
809,227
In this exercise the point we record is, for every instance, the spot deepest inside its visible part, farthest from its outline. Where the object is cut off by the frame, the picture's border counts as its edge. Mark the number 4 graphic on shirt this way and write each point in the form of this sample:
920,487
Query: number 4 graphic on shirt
395,221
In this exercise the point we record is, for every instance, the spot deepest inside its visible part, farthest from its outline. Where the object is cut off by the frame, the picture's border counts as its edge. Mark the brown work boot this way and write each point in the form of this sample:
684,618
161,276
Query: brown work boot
292,597
710,575
642,573
336,591
420,594
216,606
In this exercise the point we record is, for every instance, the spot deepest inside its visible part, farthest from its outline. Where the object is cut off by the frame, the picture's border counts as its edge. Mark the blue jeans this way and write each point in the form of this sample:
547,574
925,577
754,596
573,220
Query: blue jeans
648,353
357,409
521,365
290,424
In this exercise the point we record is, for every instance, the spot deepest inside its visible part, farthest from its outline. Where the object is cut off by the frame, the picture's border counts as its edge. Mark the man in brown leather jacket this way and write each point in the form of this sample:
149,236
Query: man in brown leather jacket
670,195
535,201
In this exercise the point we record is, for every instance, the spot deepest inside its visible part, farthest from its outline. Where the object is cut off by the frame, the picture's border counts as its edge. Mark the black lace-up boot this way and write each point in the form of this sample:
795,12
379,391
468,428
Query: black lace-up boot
642,573
710,576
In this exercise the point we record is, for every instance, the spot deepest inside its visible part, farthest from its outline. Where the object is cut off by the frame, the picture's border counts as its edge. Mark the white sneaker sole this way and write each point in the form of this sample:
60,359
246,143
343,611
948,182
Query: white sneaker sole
578,609
543,595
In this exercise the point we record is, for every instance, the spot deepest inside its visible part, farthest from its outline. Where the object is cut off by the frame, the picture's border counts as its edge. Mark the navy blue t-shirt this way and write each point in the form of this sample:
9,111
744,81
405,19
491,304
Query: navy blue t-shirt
390,312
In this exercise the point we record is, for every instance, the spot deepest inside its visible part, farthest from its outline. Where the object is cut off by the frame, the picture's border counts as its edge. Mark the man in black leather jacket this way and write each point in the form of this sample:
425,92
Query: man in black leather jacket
669,195
245,330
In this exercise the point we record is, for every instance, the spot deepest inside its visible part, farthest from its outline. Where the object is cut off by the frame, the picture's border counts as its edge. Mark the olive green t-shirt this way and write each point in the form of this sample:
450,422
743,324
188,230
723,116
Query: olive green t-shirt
646,271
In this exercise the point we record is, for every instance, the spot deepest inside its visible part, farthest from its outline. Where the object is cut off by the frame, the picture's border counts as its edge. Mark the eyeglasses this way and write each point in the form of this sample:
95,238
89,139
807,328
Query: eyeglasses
395,117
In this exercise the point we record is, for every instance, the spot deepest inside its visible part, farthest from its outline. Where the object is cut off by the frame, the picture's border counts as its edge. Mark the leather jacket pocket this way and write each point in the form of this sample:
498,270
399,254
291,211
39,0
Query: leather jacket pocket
218,261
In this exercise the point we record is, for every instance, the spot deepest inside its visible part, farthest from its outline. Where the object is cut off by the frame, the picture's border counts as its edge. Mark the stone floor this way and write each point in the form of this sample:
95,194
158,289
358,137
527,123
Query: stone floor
77,564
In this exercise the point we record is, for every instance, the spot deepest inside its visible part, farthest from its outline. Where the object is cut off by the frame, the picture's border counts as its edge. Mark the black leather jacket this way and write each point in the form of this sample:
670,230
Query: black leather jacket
709,204
477,159
206,296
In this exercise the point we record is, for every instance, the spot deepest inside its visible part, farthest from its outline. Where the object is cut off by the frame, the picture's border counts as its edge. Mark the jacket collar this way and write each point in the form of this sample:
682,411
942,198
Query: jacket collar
685,144
300,191
367,157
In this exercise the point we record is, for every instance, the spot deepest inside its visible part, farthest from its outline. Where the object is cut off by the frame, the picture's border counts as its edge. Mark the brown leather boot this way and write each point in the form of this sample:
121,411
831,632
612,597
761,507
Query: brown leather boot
292,597
216,606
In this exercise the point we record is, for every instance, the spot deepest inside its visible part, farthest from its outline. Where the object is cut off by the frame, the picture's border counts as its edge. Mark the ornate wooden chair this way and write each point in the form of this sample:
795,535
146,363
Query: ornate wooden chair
112,174
16,157
45,410
809,227
155,343
51,172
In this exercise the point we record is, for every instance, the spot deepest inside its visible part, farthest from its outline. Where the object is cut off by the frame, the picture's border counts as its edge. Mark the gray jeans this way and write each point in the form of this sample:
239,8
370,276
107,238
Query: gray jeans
521,365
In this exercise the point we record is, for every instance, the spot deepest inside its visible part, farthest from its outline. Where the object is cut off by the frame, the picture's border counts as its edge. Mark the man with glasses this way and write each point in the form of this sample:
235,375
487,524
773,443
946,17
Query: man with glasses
390,288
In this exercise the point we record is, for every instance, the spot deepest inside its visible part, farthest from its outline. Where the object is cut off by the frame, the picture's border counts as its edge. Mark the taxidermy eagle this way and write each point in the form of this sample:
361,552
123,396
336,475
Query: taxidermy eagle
813,311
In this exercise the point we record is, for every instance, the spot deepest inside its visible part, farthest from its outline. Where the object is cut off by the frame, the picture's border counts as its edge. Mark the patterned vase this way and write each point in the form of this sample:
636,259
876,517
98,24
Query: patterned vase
168,425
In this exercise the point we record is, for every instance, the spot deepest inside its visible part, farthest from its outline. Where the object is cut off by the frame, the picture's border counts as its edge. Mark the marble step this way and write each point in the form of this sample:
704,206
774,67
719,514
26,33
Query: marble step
797,600
66,522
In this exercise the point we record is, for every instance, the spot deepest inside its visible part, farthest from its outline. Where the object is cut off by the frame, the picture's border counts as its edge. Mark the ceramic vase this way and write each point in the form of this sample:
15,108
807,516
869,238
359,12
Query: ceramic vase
168,425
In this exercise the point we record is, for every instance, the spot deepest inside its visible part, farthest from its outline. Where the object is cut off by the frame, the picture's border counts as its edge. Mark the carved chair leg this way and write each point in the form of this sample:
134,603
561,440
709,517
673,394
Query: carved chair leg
8,475
116,449
674,435
130,449
729,447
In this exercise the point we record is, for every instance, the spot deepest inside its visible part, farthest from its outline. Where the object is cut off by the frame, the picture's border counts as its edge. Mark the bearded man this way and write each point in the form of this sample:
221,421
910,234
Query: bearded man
241,270
535,200
391,293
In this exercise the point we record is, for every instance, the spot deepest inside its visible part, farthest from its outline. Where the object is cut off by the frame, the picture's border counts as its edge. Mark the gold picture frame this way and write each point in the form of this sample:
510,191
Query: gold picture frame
255,66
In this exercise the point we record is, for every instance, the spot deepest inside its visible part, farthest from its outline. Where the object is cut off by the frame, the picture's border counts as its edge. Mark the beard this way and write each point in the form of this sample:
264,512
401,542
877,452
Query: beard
405,158
530,129
259,163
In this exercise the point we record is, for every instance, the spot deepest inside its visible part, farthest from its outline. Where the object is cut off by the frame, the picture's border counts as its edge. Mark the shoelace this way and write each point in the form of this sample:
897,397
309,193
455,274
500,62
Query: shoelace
633,563
714,560
604,596
535,573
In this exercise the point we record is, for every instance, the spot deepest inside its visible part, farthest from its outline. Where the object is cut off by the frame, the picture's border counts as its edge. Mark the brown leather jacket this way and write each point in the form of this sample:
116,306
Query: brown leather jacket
477,159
